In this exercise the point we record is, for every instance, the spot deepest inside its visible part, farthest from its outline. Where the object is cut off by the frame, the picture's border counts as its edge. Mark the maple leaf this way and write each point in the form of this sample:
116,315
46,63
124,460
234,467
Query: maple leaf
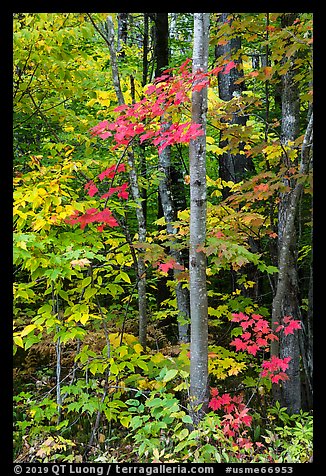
293,325
200,85
246,336
239,344
262,187
263,326
215,404
214,392
111,171
106,217
246,324
238,317
277,377
244,417
91,187
229,66
261,342
171,264
225,399
216,70
252,349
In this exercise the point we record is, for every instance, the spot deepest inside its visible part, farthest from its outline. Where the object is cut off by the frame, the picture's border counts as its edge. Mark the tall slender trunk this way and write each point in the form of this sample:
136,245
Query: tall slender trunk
285,302
166,198
133,179
170,215
198,208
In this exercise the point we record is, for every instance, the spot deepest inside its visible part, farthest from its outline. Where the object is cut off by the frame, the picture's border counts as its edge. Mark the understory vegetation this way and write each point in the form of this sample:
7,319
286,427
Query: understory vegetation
163,238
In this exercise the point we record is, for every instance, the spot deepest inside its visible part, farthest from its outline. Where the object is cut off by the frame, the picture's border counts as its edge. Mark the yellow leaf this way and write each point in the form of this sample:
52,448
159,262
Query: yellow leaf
22,244
138,348
125,421
125,277
27,330
68,129
19,341
84,318
157,358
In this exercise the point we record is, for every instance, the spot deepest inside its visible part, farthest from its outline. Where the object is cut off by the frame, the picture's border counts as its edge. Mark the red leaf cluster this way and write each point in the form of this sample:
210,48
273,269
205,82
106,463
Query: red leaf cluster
140,119
121,189
275,368
171,264
111,171
92,215
257,333
292,325
235,413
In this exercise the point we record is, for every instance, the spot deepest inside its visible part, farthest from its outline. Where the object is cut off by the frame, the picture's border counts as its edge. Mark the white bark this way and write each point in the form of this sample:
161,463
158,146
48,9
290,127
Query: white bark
198,205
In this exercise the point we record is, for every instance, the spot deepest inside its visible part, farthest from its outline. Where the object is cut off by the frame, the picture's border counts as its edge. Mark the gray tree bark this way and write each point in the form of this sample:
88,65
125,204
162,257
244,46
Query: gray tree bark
166,198
198,207
232,166
285,302
170,215
133,179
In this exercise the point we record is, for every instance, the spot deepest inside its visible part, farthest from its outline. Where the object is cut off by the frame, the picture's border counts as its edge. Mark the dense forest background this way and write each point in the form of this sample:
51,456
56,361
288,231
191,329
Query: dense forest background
163,232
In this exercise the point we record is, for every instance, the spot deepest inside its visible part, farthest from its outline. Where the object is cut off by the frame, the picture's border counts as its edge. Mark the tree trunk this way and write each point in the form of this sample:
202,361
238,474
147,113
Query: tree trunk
285,302
167,204
198,206
161,43
122,31
170,215
133,179
232,166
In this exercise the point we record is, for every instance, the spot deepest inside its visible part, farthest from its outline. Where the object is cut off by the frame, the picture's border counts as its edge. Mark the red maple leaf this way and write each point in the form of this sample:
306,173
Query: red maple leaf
238,317
229,66
246,335
214,392
246,324
106,217
294,324
252,349
225,399
239,344
92,188
170,264
111,171
263,326
215,404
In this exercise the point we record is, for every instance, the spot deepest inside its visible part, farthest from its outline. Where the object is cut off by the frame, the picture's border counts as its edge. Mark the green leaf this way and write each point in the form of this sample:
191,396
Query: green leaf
124,276
170,374
187,419
156,402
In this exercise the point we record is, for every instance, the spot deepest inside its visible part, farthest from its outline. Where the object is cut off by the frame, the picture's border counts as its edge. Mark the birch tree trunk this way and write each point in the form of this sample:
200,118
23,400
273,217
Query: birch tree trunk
133,179
198,206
